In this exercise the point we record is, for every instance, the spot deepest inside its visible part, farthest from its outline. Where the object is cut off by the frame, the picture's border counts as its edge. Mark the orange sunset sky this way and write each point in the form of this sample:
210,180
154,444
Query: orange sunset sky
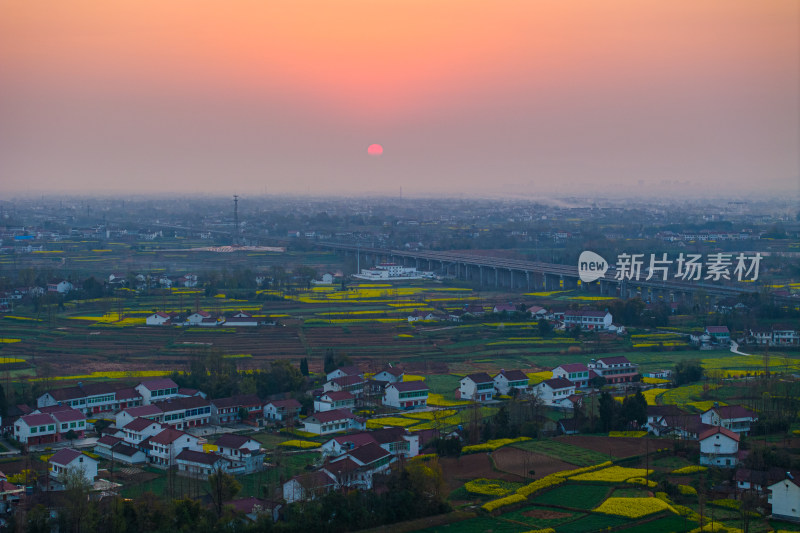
502,97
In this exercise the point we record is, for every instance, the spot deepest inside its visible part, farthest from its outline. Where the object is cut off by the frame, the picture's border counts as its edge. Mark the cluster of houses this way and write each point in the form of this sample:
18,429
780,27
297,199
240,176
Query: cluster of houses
204,319
150,426
558,391
561,319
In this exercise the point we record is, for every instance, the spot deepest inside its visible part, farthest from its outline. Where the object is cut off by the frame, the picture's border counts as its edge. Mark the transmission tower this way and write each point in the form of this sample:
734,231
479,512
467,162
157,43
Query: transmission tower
235,219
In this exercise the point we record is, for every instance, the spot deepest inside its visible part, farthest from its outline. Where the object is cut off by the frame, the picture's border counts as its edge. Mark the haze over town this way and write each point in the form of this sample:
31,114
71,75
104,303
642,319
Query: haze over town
517,99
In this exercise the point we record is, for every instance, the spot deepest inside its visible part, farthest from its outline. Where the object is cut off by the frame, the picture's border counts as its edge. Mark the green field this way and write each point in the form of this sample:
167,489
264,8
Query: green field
574,495
564,452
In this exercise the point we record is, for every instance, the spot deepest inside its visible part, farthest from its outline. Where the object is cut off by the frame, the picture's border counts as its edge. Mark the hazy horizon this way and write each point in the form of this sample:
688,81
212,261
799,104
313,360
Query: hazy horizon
513,99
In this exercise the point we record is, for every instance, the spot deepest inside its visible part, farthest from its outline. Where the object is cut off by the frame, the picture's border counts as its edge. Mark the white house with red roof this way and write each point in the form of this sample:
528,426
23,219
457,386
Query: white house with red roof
406,395
577,373
51,426
590,320
733,417
615,369
507,381
151,412
37,428
158,319
200,465
720,334
185,412
553,391
719,447
352,384
137,431
283,410
478,387
390,375
333,421
91,397
167,444
155,390
343,371
117,449
228,410
357,467
537,312
308,486
70,420
504,308
61,286
241,319
242,451
397,441
331,400
197,318
66,461
785,498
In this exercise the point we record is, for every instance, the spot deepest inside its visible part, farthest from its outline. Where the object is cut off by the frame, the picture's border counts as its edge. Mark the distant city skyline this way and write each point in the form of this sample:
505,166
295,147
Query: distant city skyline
467,98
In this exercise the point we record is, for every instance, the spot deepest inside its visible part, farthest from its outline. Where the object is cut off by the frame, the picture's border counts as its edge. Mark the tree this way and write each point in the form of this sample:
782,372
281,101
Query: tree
304,366
545,328
607,408
222,487
688,372
76,490
243,414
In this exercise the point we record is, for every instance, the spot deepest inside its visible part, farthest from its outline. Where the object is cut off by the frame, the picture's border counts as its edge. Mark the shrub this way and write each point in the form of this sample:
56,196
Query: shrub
547,481
692,469
633,507
489,487
642,481
503,502
305,444
613,474
492,445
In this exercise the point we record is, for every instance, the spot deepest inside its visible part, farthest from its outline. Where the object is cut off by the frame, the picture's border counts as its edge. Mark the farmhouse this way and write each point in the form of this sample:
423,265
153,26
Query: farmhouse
157,389
200,465
308,486
282,410
181,413
352,384
476,387
577,373
734,417
242,451
389,375
785,498
590,320
159,319
406,395
344,371
331,400
166,445
332,422
43,428
241,319
719,447
719,334
553,391
615,369
151,412
507,381
356,468
66,461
